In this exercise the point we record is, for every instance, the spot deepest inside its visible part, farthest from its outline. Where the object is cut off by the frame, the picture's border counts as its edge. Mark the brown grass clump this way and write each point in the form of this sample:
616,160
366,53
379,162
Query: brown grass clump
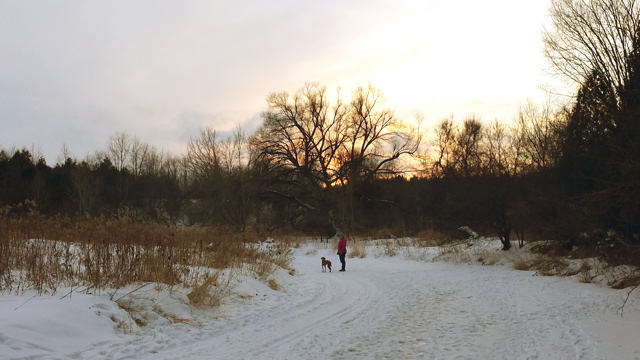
203,294
357,250
550,266
522,265
274,285
627,282
391,247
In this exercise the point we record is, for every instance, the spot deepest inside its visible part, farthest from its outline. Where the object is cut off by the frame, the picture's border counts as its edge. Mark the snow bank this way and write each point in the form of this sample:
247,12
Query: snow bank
381,307
34,325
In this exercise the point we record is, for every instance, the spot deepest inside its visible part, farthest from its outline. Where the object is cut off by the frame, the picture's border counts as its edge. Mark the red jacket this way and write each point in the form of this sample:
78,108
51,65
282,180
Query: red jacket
342,245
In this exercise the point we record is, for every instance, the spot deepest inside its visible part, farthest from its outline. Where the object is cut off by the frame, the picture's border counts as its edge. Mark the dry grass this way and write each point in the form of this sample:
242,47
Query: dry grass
550,266
203,294
130,308
392,247
585,274
430,238
626,282
357,250
522,265
273,285
102,253
456,252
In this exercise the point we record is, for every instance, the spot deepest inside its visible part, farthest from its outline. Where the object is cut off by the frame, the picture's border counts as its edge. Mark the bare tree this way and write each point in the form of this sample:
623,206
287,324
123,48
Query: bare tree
65,154
318,146
497,153
176,168
459,148
84,191
138,156
236,165
446,132
203,153
375,139
153,161
590,36
537,129
467,150
234,152
132,154
118,149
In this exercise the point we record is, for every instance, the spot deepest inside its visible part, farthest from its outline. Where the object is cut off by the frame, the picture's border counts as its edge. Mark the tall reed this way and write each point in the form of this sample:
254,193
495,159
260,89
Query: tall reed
44,253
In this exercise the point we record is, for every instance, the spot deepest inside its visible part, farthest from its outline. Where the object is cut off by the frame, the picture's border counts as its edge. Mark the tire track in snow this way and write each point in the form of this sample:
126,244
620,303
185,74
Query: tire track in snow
395,309
308,327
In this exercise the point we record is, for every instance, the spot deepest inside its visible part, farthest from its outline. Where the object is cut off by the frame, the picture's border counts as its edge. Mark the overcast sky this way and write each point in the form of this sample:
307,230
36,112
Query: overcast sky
76,72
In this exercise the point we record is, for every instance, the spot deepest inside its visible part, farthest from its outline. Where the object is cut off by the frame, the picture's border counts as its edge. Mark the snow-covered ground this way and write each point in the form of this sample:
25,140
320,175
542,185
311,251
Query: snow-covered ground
382,307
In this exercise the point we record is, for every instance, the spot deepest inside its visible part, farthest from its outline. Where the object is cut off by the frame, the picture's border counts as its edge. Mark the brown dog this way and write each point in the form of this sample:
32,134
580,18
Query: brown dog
325,264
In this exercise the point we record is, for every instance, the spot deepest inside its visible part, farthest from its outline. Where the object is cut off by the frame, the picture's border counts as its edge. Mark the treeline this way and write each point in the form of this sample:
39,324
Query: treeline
129,179
568,172
518,180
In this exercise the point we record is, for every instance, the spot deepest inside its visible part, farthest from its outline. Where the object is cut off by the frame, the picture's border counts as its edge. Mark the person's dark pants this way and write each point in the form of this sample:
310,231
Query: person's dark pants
342,256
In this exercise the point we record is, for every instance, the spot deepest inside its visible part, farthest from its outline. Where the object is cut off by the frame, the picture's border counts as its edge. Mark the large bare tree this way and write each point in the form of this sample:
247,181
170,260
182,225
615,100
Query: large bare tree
318,146
592,36
374,138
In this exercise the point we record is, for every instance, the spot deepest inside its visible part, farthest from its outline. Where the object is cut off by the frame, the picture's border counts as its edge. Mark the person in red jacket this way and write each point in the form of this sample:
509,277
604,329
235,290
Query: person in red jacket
342,250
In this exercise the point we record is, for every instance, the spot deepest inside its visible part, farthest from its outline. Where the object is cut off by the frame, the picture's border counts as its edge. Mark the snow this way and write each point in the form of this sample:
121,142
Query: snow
382,307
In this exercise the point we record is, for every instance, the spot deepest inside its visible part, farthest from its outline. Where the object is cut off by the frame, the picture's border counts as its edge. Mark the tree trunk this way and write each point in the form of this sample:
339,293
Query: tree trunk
506,243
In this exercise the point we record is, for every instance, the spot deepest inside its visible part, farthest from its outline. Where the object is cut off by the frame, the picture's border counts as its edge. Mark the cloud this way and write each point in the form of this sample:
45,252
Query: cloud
76,72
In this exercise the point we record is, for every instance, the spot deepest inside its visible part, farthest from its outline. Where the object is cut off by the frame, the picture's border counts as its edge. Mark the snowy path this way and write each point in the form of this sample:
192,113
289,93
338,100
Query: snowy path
390,308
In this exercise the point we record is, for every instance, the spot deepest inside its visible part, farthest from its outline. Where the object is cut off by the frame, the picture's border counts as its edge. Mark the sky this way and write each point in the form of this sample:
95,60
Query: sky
74,73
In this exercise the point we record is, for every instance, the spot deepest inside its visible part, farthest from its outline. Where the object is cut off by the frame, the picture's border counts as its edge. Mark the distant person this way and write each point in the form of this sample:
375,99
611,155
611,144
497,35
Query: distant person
342,250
